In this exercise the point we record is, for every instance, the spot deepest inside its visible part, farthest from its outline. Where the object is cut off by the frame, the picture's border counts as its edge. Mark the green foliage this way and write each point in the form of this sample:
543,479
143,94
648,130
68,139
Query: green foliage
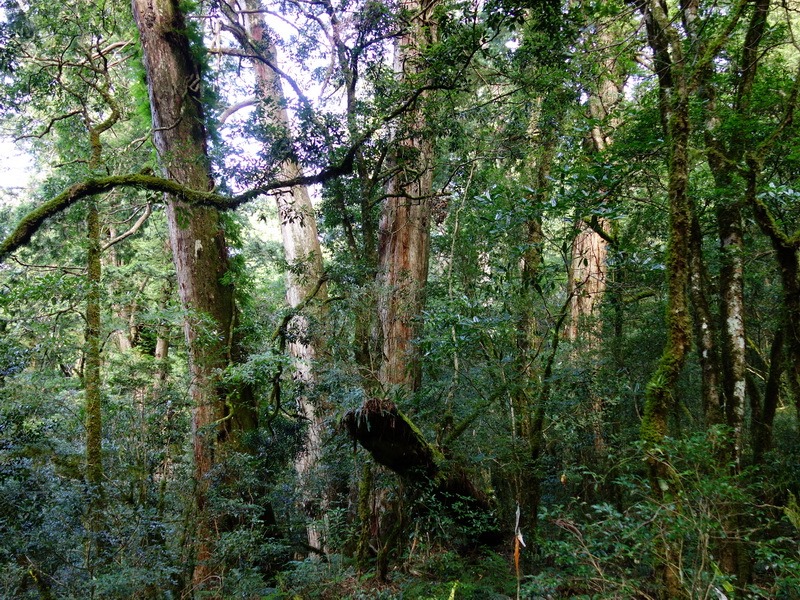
532,419
600,551
792,511
433,574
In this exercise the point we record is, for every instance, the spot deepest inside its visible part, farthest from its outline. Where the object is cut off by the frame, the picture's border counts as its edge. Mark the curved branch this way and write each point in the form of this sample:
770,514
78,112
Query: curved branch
91,187
226,114
136,226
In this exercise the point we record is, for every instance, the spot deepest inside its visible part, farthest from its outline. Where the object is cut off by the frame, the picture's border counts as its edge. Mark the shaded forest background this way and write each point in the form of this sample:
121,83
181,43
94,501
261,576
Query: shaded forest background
416,299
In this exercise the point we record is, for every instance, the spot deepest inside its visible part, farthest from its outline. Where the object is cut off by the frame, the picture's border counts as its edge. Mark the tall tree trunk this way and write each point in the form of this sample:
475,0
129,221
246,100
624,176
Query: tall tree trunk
658,400
200,256
305,278
589,250
705,330
587,285
731,234
92,381
589,267
403,252
733,366
405,219
729,219
674,84
93,364
720,157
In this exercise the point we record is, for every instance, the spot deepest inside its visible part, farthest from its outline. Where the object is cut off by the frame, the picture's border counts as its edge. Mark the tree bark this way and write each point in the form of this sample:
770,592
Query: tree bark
405,219
729,219
403,252
303,253
587,281
92,381
674,86
219,416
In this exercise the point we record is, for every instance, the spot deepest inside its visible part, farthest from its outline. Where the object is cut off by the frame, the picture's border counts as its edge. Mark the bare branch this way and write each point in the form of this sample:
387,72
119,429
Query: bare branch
67,270
49,127
226,114
134,228
252,52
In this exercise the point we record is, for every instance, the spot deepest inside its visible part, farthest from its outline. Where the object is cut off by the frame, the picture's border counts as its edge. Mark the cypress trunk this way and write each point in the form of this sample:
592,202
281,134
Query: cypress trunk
219,417
405,221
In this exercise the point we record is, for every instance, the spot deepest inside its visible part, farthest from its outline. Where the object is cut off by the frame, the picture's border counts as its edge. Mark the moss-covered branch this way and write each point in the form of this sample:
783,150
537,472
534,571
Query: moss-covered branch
79,191
31,223
594,224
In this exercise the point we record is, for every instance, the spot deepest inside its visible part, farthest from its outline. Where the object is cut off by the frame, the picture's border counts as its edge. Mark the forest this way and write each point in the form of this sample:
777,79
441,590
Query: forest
400,299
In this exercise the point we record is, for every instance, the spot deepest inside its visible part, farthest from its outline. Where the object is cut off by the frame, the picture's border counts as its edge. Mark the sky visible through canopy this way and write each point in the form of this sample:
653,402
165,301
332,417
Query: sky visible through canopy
15,166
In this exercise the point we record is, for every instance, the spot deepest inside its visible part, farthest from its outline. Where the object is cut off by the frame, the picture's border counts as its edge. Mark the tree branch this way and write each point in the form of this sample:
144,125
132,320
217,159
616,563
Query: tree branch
226,114
593,223
134,228
91,187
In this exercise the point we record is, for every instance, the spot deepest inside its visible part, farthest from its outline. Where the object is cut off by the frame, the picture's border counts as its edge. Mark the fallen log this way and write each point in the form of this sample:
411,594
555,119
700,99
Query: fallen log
392,439
396,443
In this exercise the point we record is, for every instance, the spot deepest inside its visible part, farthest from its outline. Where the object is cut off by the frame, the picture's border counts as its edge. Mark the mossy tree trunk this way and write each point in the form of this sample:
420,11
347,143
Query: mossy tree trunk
92,381
787,255
659,398
92,376
395,442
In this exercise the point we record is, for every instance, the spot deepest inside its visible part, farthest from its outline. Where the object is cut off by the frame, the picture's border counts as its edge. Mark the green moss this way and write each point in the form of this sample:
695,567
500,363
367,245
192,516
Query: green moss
91,187
438,457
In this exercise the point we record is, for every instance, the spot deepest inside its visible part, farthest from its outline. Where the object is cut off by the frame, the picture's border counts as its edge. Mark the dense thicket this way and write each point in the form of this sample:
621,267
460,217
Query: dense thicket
419,299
